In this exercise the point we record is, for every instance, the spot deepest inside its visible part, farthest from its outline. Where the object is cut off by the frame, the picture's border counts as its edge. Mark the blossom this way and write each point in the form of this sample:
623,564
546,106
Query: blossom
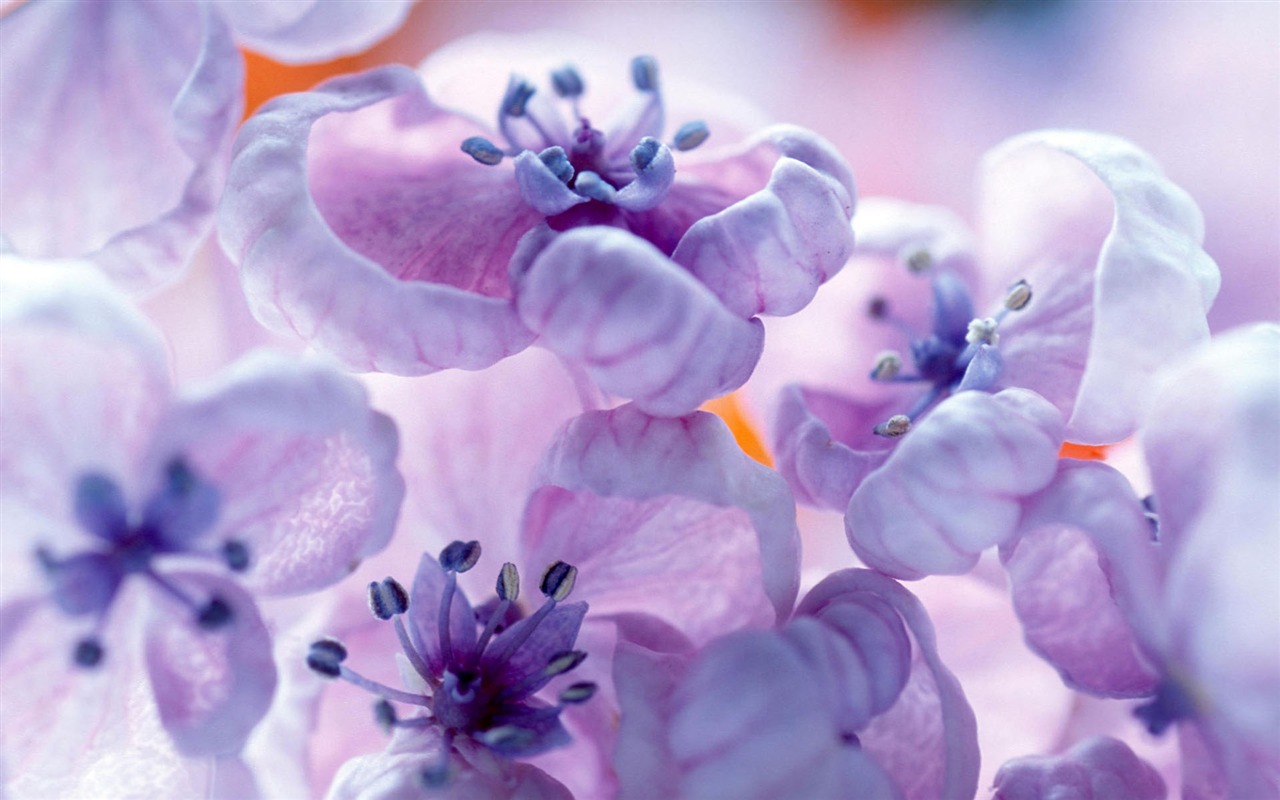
1173,599
119,158
1096,278
403,236
1099,767
126,507
848,696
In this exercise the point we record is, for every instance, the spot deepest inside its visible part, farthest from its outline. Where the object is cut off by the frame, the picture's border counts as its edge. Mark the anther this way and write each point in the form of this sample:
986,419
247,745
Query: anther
214,614
888,365
387,598
517,97
88,653
564,662
644,73
558,580
567,81
385,715
482,150
983,331
918,260
579,692
878,308
642,155
435,776
690,135
506,737
508,587
236,554
558,162
591,185
1018,297
895,426
460,556
326,656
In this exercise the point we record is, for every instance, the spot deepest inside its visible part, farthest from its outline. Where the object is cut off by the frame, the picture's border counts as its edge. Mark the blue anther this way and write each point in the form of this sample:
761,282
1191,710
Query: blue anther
88,653
690,135
482,150
460,556
591,185
558,580
642,155
508,587
517,97
387,598
567,81
558,162
214,615
236,554
644,73
326,657
579,692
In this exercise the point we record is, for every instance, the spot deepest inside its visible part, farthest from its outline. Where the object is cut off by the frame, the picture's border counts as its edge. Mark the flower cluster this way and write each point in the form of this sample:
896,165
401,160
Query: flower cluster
559,316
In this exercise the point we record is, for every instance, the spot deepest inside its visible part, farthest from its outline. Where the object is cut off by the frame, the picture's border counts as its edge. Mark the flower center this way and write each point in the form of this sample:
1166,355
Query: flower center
483,691
181,510
1170,704
959,353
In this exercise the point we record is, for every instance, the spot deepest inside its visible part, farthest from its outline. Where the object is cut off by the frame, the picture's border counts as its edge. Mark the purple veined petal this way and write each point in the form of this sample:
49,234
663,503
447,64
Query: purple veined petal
313,30
212,687
1095,769
824,444
1152,281
952,486
94,414
134,198
1062,596
542,190
305,470
424,615
369,234
927,742
553,636
769,252
625,453
695,565
894,229
642,327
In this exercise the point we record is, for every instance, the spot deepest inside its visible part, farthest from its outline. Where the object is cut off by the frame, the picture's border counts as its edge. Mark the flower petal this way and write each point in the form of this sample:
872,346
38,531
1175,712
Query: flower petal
425,599
1153,283
331,246
131,179
951,487
1095,769
625,453
555,634
895,229
305,469
314,30
643,328
769,252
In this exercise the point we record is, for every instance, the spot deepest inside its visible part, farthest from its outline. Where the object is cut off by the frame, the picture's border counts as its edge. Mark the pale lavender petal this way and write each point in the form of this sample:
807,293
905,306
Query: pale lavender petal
212,687
540,188
897,230
952,486
425,599
769,252
871,683
1063,598
305,469
625,453
1099,768
303,31
132,177
643,328
927,742
646,681
372,236
1152,281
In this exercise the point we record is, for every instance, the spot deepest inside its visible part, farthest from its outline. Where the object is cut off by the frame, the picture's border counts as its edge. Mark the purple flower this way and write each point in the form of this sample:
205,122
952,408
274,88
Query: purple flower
1173,599
128,510
848,698
1095,769
475,674
1090,278
405,237
116,118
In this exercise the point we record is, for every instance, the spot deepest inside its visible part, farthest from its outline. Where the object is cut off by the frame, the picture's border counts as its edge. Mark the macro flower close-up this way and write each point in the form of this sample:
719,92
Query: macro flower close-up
781,400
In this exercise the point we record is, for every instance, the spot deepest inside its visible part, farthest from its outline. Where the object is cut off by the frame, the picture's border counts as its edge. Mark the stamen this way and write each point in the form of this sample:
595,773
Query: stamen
517,97
567,82
437,776
385,715
87,653
508,589
895,426
1170,704
888,365
878,308
557,582
506,737
591,185
1153,519
558,664
644,73
236,554
373,687
917,260
983,331
1018,297
460,556
215,614
482,150
406,644
508,586
558,162
387,599
579,692
642,154
326,656
690,135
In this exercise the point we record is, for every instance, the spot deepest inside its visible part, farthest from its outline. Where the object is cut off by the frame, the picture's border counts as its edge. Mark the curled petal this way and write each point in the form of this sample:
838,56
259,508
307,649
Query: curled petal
625,453
768,253
643,328
651,183
540,188
952,485
212,687
101,189
304,468
1153,283
394,260
302,32
1095,769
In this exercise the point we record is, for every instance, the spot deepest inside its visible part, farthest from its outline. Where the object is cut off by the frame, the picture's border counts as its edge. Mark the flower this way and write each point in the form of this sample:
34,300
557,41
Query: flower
847,697
1095,285
1098,767
126,507
646,266
120,160
1173,599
